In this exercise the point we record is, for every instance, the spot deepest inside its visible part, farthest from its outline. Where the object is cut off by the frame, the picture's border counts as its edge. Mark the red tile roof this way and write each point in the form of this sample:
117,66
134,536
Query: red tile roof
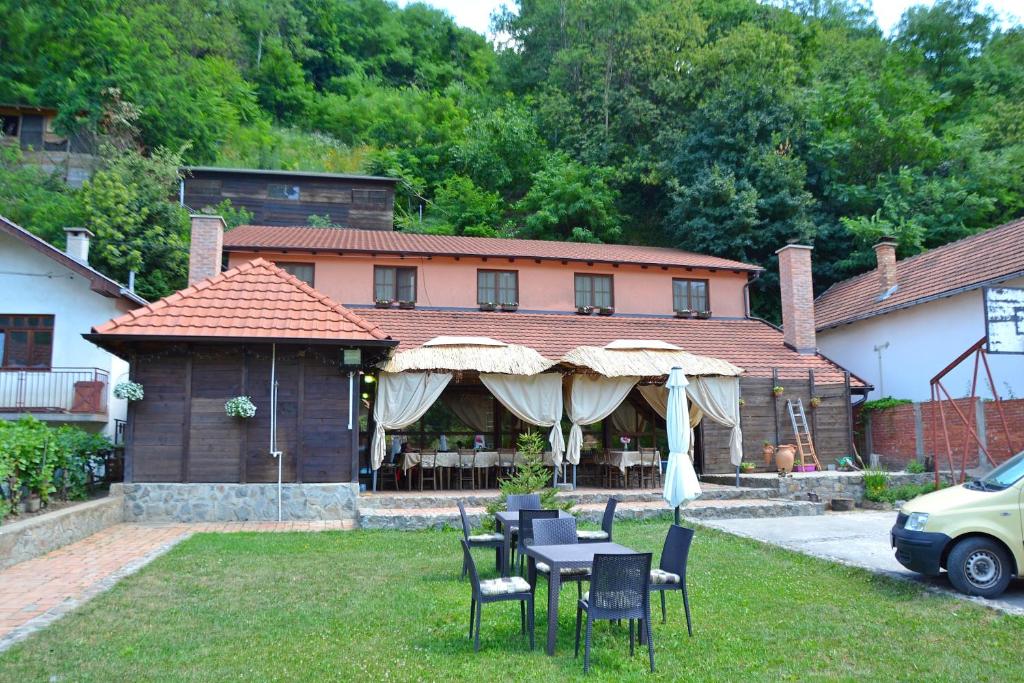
250,237
256,300
755,346
970,263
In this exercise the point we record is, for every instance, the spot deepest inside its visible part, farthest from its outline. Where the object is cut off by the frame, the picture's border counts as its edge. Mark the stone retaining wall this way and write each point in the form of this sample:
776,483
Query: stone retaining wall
238,502
37,536
825,485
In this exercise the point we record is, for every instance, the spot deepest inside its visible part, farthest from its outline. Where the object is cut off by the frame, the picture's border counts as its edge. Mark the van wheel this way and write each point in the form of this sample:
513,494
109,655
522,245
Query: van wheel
979,566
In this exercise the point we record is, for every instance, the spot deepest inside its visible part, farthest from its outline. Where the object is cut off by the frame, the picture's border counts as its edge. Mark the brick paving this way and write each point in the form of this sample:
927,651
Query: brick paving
36,592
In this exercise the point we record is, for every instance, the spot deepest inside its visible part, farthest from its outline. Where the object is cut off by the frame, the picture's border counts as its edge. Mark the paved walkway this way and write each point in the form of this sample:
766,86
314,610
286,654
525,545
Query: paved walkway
859,539
38,591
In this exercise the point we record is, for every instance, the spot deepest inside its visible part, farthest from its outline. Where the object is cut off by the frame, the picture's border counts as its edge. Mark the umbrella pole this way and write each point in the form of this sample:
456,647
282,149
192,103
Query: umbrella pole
737,476
677,515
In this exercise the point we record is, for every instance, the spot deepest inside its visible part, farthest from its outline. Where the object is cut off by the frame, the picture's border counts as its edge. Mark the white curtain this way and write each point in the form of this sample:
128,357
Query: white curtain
476,412
657,396
719,399
535,399
592,398
402,398
626,419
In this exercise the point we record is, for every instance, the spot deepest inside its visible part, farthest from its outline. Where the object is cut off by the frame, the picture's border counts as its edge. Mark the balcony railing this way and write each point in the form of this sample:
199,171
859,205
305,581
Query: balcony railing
57,390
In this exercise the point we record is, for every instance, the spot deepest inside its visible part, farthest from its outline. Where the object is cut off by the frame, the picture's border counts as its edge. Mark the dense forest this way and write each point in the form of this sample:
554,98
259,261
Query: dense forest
722,126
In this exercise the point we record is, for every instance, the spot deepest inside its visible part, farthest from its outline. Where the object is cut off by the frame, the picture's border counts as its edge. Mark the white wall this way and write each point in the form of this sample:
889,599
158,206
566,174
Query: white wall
76,309
922,341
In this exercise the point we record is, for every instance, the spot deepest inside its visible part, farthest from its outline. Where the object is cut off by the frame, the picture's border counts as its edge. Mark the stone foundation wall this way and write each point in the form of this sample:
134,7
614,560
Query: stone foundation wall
238,502
37,536
825,485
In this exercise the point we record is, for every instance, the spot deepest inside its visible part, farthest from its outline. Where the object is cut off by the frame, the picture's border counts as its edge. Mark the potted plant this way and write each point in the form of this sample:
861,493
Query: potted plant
742,402
683,313
768,450
747,467
407,305
584,310
704,315
128,391
814,402
488,306
784,457
382,303
509,306
606,310
777,390
240,406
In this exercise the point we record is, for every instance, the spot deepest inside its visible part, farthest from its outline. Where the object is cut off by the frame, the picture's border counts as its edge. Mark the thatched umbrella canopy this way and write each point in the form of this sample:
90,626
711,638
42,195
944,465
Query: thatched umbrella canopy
646,358
478,354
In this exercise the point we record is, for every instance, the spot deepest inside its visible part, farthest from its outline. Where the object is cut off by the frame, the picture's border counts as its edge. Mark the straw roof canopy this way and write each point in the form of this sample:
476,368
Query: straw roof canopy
626,359
479,354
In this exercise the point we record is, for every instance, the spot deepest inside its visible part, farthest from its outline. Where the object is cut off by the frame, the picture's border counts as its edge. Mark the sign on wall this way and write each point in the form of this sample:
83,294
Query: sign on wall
1004,319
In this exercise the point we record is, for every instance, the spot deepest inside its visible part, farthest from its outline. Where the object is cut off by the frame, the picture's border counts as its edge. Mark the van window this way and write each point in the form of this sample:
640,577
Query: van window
1007,474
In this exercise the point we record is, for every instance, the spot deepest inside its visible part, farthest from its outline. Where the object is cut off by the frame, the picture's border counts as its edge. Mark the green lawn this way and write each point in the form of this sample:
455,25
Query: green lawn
372,606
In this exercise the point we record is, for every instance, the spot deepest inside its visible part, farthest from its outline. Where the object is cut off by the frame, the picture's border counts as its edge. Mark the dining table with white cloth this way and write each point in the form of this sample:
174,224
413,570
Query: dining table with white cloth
623,460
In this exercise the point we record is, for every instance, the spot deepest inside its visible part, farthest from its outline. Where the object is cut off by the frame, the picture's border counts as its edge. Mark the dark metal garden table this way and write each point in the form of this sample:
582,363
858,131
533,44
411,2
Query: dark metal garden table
507,522
558,556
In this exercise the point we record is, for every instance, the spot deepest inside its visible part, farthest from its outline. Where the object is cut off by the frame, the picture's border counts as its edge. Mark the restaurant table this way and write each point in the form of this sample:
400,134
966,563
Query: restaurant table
557,557
507,522
450,459
626,459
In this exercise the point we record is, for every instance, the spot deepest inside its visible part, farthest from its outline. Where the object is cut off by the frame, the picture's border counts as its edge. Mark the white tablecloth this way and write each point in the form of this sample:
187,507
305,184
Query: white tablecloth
483,459
626,459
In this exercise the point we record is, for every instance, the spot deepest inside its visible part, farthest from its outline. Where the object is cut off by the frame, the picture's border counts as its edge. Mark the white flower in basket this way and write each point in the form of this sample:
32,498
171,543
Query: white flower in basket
128,391
240,406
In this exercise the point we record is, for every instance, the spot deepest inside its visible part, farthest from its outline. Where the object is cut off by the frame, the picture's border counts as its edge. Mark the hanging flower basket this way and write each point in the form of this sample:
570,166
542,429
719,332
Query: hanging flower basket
128,391
777,390
240,406
815,402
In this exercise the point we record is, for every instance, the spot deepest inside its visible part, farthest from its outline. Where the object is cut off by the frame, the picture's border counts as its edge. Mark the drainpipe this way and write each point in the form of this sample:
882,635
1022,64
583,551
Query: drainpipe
746,291
273,424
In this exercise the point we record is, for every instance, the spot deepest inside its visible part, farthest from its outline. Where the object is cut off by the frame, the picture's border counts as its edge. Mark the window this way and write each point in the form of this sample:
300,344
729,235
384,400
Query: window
689,295
497,287
303,271
370,197
26,341
594,290
278,191
9,125
394,284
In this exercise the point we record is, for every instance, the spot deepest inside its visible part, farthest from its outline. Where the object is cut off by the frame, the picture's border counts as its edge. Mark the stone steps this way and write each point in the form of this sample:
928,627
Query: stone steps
411,518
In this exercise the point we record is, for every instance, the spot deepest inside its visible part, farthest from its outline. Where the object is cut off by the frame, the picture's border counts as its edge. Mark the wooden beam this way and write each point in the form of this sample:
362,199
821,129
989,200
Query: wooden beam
244,457
187,427
300,413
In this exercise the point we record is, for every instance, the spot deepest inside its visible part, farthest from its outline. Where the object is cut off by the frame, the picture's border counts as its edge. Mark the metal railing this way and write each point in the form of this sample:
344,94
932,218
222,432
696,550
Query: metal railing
57,390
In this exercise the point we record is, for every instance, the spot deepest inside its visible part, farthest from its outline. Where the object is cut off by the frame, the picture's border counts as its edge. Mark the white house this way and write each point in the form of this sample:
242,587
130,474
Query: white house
901,324
48,299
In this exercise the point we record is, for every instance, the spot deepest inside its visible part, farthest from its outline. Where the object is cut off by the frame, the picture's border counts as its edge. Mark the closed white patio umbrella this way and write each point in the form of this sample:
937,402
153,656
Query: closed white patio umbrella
681,482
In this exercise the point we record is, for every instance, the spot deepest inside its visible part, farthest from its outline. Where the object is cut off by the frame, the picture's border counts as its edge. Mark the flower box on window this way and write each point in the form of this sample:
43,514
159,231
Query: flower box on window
684,313
488,306
704,315
383,303
606,310
407,305
510,307
584,310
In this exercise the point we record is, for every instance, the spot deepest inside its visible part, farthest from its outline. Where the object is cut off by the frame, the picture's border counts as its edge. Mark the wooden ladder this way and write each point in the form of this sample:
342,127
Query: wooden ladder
804,442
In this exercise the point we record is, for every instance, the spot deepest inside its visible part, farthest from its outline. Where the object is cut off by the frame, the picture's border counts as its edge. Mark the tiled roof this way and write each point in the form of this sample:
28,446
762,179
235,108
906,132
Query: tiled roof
755,346
248,237
99,282
256,300
972,262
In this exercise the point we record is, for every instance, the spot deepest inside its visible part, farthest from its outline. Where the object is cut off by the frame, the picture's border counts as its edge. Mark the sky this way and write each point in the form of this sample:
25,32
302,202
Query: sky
475,14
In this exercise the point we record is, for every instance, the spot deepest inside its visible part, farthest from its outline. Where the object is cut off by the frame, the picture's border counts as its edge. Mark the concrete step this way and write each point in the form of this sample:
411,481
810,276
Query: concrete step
415,500
439,517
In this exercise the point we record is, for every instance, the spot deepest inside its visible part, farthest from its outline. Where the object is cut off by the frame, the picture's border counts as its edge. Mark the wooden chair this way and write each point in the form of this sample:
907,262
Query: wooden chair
428,468
650,468
506,462
467,468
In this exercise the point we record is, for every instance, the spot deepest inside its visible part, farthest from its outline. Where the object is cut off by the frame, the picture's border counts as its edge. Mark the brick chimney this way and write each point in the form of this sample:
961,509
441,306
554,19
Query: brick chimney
207,245
797,297
78,244
885,253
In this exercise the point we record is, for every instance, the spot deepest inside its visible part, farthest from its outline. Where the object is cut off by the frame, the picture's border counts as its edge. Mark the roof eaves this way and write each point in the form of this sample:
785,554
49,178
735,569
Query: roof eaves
283,173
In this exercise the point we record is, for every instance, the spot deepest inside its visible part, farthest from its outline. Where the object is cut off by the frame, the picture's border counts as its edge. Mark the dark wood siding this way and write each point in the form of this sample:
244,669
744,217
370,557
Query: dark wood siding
349,202
180,431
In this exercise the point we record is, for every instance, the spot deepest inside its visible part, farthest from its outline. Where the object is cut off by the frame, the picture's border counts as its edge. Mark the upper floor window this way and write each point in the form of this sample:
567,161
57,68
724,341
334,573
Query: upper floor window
26,341
281,191
689,295
594,290
303,271
497,287
391,283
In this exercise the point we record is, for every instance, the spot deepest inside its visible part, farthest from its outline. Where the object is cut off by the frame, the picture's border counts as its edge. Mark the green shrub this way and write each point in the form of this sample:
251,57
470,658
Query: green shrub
904,492
884,402
875,482
915,467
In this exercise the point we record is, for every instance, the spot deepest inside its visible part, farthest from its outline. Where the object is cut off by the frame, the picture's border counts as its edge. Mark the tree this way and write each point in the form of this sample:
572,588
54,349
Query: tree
570,201
466,208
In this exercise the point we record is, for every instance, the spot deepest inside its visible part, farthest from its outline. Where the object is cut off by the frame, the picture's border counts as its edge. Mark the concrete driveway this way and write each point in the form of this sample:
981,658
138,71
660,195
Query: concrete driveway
860,539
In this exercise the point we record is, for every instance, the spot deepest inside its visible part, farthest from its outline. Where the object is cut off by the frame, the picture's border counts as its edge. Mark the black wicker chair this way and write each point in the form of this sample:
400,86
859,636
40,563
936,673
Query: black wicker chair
607,521
619,589
525,532
671,572
561,531
502,589
496,541
523,501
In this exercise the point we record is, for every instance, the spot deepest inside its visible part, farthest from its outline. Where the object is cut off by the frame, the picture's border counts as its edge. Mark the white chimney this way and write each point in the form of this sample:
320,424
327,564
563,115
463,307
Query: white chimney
78,244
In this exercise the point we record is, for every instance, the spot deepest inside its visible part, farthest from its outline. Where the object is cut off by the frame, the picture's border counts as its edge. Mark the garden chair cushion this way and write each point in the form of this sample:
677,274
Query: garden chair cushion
504,586
592,535
481,538
543,568
661,577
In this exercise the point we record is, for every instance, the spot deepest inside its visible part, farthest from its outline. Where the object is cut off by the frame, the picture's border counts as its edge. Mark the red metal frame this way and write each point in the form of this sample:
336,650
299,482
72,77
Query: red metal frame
940,396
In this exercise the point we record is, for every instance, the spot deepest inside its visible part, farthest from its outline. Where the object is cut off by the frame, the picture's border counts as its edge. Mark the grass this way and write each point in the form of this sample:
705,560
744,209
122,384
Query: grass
389,606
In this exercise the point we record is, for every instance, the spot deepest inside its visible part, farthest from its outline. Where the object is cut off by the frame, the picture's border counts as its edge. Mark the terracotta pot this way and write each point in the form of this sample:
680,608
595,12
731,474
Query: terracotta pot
768,452
784,457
